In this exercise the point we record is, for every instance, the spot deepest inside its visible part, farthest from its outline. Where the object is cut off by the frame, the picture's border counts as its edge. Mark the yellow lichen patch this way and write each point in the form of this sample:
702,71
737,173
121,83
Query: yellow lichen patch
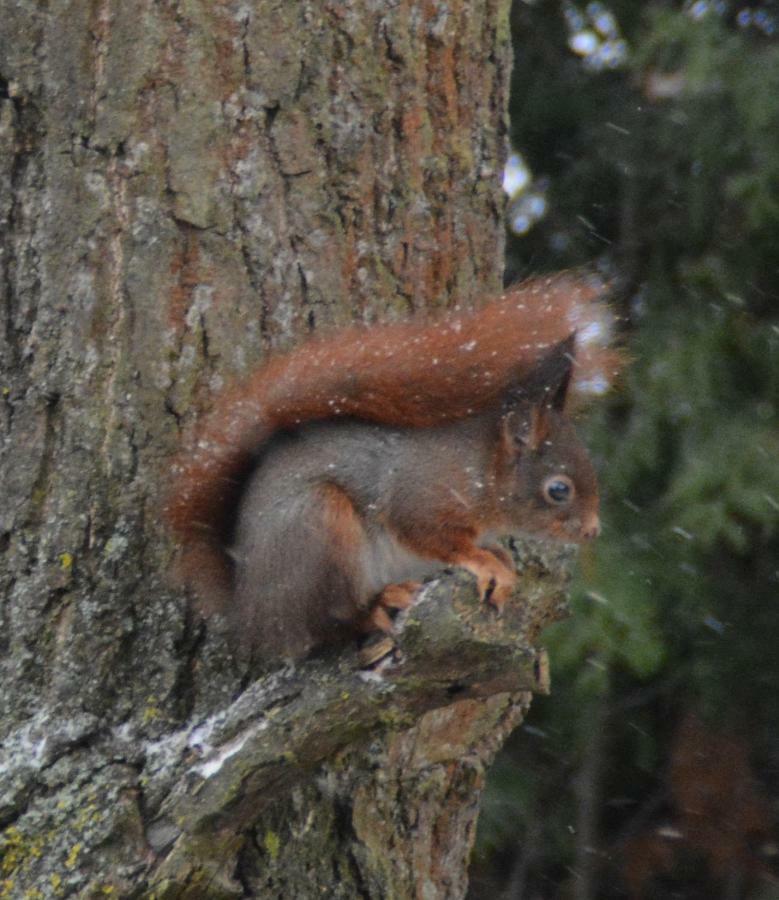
66,561
152,711
70,862
17,850
87,815
272,844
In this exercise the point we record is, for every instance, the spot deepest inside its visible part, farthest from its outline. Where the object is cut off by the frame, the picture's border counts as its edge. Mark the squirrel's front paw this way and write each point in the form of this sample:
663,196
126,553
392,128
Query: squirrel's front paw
498,591
496,580
379,623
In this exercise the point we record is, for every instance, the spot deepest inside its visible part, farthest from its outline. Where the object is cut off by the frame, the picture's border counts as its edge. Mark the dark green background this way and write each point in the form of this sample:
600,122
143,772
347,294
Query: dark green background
676,611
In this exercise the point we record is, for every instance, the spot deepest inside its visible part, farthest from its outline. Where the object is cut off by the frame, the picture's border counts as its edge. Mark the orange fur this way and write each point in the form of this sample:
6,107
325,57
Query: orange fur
341,523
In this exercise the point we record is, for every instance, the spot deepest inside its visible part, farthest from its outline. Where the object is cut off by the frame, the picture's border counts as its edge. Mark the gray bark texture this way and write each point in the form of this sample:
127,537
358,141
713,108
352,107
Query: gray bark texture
184,184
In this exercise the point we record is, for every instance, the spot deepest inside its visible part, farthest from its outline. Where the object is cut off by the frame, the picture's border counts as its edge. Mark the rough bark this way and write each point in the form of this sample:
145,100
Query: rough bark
182,185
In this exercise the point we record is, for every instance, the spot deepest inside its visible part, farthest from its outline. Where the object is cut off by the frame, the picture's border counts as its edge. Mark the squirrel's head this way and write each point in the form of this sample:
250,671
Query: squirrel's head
549,485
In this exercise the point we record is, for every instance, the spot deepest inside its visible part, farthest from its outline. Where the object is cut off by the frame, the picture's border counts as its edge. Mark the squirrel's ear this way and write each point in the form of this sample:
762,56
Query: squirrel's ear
527,403
547,383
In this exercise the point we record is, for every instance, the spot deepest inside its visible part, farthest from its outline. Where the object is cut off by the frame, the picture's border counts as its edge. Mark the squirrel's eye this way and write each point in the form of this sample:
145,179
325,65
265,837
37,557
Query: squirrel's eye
558,489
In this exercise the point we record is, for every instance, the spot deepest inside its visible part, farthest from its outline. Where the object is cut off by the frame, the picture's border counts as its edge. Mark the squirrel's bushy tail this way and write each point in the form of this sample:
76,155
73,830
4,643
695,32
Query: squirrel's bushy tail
414,374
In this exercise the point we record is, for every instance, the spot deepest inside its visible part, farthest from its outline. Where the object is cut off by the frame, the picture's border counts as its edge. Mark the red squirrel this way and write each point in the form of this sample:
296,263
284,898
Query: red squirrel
320,490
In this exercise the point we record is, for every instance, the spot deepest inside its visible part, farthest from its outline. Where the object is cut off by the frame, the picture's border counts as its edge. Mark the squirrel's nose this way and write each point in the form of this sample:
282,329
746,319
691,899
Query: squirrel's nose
590,527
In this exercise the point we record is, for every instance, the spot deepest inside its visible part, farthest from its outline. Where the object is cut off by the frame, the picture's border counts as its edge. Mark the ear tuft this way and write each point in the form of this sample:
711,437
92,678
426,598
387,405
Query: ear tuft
548,383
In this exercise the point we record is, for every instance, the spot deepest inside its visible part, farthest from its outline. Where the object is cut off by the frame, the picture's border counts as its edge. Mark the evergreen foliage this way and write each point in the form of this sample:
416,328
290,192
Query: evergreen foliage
660,162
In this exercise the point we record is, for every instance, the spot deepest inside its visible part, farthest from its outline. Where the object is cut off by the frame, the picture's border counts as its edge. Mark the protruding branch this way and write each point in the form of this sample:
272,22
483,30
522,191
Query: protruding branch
450,646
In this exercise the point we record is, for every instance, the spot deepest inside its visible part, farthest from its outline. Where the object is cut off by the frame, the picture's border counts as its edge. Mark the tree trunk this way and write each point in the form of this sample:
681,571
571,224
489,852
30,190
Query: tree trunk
182,186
